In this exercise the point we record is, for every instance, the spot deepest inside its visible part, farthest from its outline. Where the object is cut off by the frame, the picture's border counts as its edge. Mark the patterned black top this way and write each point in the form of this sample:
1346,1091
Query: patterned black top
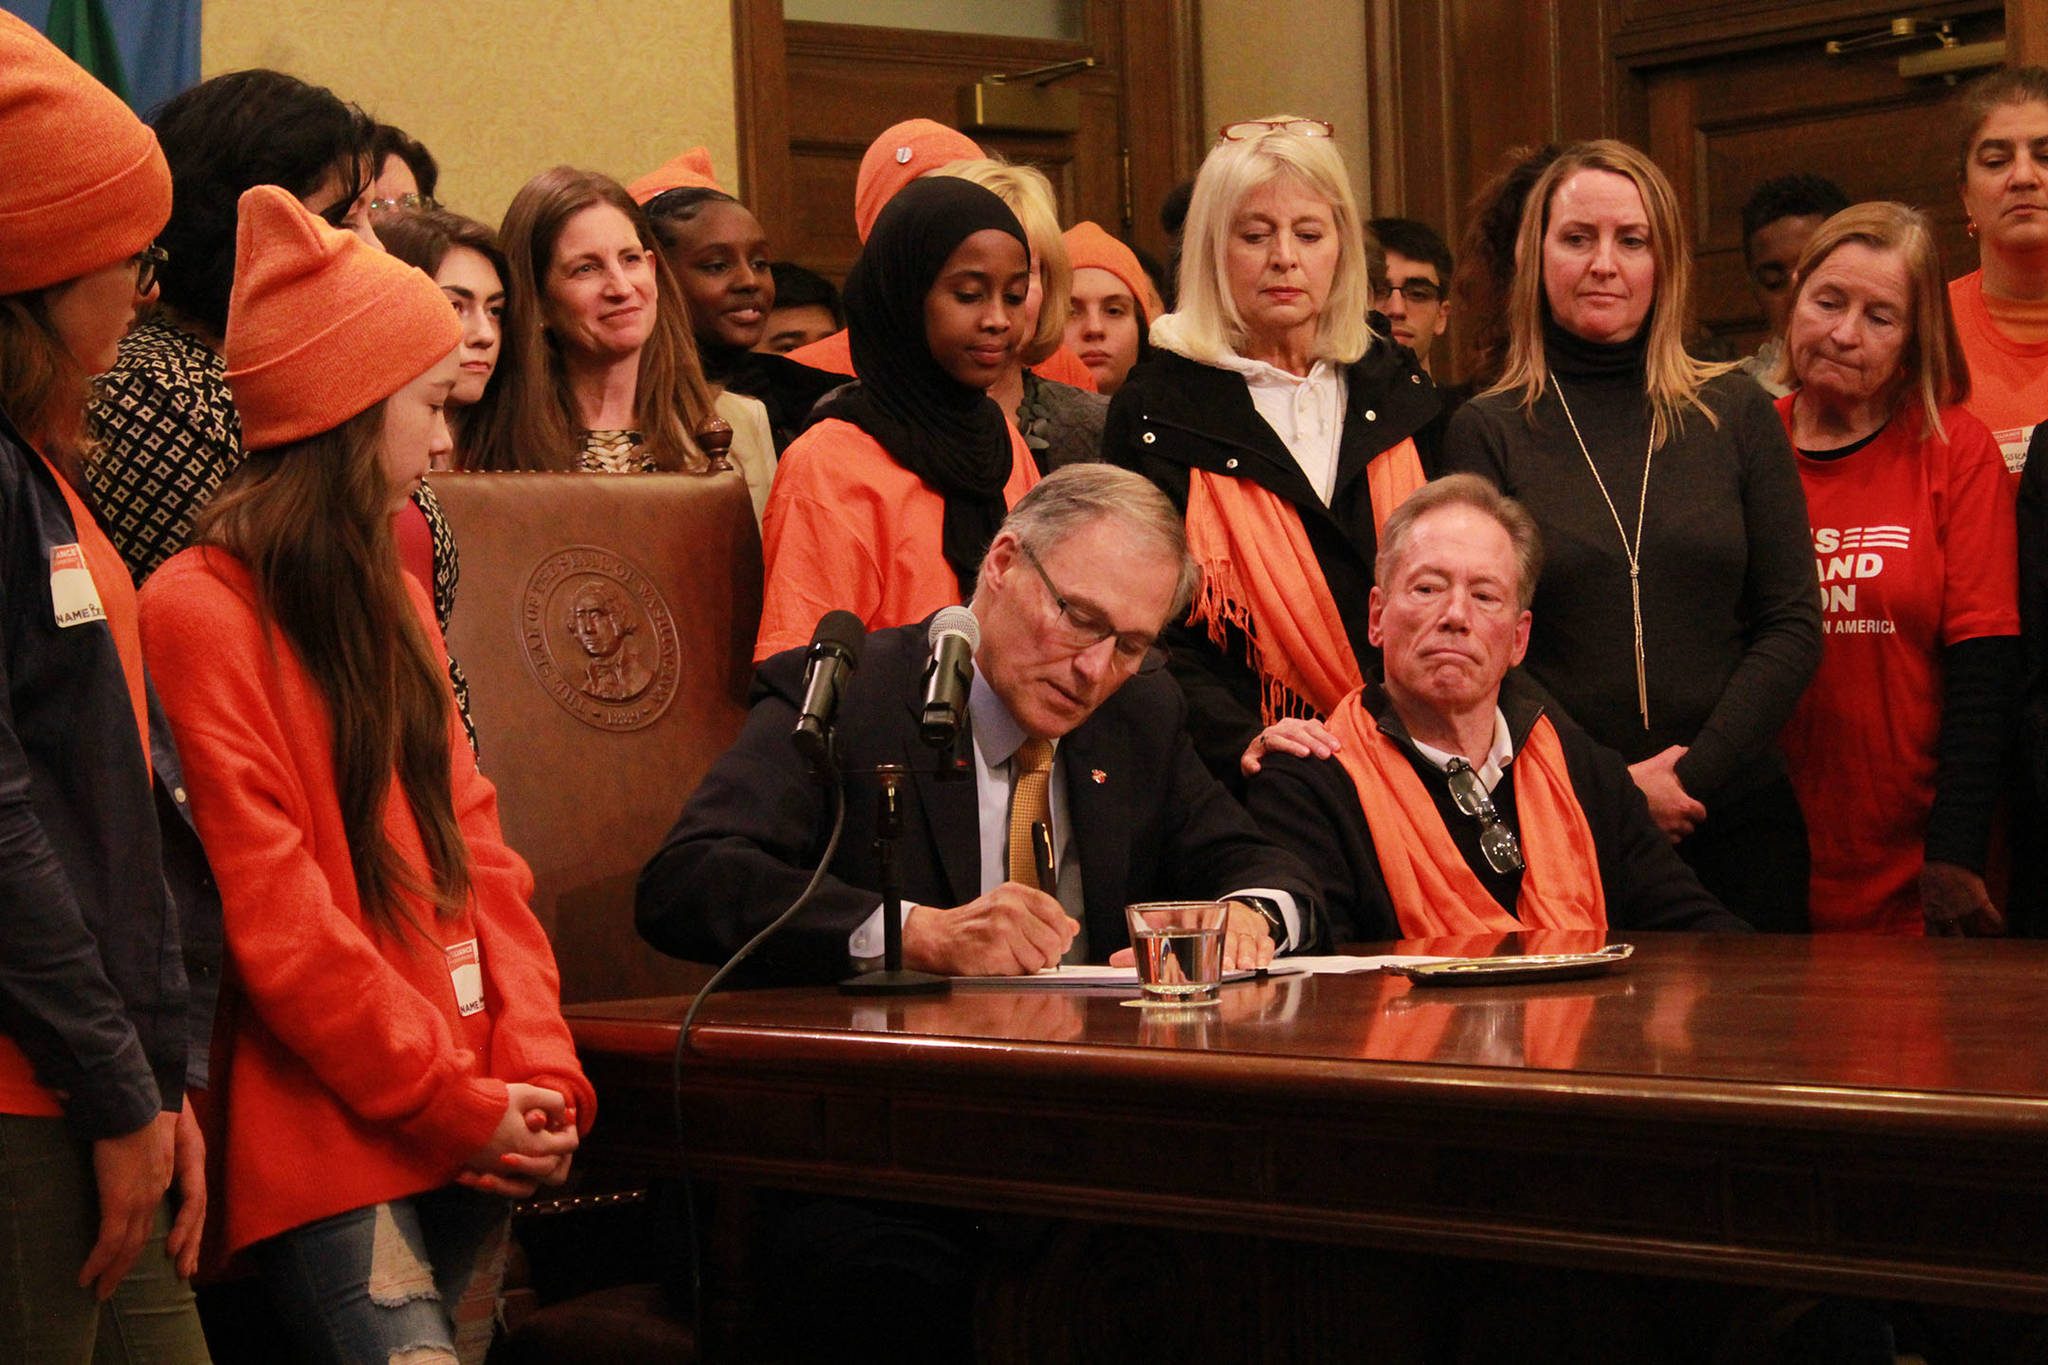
168,435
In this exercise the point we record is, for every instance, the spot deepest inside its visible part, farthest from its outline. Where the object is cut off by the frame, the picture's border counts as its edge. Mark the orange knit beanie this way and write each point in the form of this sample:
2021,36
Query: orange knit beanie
692,168
85,184
1088,245
900,155
322,325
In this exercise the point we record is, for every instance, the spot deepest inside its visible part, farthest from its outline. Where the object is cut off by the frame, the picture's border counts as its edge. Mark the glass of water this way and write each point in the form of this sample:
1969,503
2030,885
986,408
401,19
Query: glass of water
1179,947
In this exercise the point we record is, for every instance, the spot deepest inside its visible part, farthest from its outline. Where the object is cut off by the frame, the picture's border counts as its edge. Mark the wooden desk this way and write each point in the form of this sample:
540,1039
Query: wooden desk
1838,1114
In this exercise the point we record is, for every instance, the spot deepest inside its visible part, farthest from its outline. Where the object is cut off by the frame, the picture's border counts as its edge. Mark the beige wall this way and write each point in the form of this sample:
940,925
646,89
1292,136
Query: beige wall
612,85
1305,57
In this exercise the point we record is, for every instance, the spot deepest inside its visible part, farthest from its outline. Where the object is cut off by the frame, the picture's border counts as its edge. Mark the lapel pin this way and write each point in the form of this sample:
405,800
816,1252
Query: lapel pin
1099,776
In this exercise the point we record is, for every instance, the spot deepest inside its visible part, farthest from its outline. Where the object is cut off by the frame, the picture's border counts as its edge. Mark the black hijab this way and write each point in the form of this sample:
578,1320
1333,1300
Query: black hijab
950,435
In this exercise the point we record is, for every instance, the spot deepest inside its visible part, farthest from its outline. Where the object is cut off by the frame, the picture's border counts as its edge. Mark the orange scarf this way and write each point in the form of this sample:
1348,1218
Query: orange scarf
1259,573
1434,891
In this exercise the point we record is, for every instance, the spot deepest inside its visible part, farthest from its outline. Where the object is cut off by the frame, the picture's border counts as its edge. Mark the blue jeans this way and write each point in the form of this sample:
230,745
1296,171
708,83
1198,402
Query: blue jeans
414,1280
49,1220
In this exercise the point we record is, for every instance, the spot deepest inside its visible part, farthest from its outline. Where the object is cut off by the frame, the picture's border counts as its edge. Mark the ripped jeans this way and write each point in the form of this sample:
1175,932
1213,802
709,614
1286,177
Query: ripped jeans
410,1282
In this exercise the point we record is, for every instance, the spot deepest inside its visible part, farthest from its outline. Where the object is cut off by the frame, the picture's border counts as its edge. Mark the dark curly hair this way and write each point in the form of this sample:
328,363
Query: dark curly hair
226,135
1486,263
1798,195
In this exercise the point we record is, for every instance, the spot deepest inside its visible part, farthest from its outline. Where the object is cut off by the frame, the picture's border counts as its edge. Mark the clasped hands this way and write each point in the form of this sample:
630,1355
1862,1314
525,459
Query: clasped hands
1015,930
531,1146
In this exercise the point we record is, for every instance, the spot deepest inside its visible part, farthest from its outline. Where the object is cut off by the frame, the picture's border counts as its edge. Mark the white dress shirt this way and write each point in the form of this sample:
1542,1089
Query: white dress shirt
1305,411
1497,758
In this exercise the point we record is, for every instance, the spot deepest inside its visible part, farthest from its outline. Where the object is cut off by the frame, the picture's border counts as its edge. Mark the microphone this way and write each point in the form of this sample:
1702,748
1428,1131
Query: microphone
954,636
835,654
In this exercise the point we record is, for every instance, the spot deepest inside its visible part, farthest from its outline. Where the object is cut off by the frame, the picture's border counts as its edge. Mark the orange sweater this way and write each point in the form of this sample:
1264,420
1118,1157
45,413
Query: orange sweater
849,528
2008,376
345,1073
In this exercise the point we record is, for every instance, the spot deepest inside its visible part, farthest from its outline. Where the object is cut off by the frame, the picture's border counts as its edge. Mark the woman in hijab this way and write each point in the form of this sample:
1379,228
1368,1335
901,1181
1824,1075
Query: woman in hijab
884,506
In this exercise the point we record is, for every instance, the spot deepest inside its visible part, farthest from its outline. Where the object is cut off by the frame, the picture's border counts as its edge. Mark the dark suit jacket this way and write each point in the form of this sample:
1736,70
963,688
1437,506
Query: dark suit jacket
1174,415
1155,826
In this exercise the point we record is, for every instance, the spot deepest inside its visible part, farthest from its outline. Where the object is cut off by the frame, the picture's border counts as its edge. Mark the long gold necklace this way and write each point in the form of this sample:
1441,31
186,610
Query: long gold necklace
1634,552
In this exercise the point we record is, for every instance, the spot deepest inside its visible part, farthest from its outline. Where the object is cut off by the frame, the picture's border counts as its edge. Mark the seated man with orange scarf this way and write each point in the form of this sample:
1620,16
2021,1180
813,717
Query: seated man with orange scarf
1440,798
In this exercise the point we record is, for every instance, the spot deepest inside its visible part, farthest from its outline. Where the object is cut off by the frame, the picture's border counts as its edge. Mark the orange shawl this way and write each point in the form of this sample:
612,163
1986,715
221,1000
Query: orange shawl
1433,889
1259,573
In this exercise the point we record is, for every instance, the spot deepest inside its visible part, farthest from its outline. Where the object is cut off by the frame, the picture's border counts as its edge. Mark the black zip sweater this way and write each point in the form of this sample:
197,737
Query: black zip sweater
1174,415
1309,806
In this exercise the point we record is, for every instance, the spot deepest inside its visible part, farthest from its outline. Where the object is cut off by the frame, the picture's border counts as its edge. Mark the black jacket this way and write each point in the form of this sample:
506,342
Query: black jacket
1153,826
1309,806
97,942
1173,415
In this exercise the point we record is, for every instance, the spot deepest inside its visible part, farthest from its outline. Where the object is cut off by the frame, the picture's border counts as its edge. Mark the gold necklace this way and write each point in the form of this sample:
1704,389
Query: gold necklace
1634,552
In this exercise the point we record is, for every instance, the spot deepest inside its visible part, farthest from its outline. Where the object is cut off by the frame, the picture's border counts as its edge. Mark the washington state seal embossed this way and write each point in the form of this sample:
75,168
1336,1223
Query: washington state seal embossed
599,639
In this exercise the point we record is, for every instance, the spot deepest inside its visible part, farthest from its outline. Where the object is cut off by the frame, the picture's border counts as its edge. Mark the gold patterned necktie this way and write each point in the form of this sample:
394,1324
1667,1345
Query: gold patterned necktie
1030,803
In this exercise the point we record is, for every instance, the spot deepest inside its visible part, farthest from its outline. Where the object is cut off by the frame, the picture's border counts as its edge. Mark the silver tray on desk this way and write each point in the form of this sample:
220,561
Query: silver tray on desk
1502,971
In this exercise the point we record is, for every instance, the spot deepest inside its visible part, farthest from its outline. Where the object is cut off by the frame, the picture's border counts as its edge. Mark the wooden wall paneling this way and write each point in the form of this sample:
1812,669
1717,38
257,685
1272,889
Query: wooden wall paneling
1414,166
761,89
1163,133
1721,125
1687,30
2026,33
848,82
1587,92
816,95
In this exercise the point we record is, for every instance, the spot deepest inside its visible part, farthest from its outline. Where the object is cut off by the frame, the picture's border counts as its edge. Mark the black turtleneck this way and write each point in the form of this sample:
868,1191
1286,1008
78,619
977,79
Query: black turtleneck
1597,362
1731,611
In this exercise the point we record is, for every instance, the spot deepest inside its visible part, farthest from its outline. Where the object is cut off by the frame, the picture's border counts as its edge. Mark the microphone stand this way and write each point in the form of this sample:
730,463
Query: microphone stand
893,979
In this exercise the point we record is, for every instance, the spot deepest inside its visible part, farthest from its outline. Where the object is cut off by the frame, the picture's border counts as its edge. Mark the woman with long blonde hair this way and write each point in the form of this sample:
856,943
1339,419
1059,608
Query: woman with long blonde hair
1678,619
1284,427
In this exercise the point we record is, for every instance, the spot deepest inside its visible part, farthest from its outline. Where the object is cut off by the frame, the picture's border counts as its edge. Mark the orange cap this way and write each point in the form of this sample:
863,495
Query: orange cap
692,168
86,185
1089,245
900,155
322,325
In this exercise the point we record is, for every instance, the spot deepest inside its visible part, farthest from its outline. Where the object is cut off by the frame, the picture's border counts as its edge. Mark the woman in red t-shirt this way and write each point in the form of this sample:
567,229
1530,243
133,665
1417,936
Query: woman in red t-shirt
1896,748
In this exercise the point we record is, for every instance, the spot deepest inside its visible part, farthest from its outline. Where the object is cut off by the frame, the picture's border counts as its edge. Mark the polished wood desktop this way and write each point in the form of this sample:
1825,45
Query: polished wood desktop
1837,1114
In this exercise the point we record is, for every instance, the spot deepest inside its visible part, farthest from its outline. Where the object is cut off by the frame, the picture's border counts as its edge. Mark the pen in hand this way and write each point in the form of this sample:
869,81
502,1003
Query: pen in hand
1041,857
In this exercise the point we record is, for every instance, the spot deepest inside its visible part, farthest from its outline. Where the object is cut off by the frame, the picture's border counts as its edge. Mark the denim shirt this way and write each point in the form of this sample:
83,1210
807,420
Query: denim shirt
110,932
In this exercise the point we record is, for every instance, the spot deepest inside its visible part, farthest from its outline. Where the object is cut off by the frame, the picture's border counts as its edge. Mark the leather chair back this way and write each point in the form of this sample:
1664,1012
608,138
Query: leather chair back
606,624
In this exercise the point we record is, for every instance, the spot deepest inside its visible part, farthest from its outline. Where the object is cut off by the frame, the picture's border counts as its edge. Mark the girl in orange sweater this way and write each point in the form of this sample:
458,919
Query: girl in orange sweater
391,1060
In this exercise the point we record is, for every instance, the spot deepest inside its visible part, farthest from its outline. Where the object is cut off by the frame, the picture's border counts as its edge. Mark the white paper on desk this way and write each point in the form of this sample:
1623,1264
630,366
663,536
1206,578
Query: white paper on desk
1339,964
1082,977
1073,976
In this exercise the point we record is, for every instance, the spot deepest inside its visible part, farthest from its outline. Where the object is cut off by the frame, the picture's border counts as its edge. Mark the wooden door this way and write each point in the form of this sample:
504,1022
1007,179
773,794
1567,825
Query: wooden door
1776,101
814,95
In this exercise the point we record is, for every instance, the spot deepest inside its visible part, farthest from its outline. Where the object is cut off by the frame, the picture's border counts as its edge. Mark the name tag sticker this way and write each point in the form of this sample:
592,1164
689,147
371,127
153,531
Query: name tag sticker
72,591
466,970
